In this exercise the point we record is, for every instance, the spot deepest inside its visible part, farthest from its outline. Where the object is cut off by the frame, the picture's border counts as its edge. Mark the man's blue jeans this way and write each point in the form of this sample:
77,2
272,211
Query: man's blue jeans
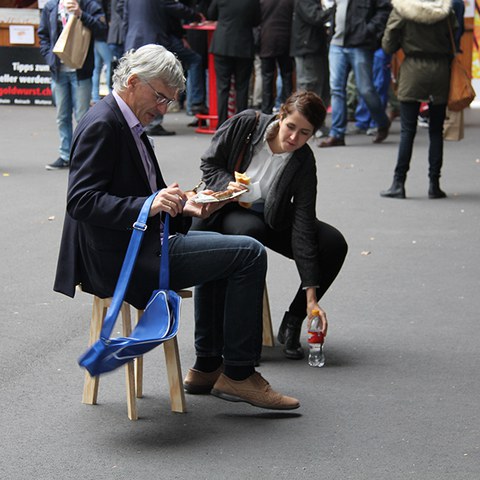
229,274
103,56
381,80
193,64
72,97
341,59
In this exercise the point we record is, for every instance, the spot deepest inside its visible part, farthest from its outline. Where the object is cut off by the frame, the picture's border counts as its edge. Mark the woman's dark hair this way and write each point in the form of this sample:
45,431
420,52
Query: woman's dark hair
309,104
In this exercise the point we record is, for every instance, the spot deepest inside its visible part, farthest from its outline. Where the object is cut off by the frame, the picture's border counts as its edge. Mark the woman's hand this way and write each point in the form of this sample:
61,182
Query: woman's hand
203,210
312,304
236,187
323,319
170,200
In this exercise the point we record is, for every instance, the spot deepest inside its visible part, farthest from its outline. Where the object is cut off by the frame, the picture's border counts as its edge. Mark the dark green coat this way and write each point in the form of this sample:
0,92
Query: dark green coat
421,30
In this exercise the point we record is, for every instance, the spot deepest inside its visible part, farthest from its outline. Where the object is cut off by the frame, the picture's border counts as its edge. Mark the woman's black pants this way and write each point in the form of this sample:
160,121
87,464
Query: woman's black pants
235,220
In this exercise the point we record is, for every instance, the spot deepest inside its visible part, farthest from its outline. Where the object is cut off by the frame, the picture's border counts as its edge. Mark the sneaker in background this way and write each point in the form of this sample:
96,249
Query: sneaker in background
58,164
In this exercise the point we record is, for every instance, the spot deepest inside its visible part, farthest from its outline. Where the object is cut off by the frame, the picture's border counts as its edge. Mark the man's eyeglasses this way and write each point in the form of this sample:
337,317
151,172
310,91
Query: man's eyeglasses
161,99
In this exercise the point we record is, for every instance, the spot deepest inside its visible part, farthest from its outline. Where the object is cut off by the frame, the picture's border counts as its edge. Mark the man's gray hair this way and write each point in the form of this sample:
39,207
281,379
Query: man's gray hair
150,62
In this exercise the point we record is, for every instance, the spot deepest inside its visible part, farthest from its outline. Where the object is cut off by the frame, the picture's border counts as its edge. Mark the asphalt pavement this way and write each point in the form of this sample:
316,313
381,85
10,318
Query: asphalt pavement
398,398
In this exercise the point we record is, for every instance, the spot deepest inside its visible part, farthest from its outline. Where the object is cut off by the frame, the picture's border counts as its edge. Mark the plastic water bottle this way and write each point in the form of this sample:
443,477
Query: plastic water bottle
316,357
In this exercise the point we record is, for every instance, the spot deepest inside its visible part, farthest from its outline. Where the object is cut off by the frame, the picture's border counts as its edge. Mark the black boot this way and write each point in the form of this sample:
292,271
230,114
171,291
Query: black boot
289,336
397,190
434,190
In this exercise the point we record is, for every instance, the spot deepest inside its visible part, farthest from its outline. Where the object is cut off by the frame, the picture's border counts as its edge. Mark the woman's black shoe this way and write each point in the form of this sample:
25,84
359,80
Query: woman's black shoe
434,190
397,190
289,336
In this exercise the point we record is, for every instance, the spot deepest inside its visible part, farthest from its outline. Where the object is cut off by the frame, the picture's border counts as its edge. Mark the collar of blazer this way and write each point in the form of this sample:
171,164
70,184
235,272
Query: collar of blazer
132,146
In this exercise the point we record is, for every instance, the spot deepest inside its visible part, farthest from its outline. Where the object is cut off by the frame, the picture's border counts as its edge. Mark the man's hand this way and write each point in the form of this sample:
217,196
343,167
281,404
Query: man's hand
170,200
203,210
73,7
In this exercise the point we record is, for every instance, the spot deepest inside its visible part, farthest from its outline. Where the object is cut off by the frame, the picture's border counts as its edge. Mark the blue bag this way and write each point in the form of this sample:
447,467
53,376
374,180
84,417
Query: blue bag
159,321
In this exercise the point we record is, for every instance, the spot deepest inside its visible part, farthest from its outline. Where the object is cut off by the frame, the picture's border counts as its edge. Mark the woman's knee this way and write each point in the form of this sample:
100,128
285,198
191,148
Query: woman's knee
332,241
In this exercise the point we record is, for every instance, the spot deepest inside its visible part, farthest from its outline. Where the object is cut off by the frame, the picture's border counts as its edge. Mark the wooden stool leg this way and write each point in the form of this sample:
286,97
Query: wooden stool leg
129,367
90,386
174,373
268,338
139,366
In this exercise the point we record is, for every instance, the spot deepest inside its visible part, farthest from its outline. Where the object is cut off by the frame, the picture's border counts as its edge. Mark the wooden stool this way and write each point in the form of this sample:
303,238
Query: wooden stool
134,369
268,337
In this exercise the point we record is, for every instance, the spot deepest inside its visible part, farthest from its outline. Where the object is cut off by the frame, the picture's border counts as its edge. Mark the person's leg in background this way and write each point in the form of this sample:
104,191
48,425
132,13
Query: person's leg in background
103,56
117,52
435,150
257,84
339,68
286,66
268,78
193,65
81,95
63,98
243,73
362,63
224,68
408,118
381,81
308,73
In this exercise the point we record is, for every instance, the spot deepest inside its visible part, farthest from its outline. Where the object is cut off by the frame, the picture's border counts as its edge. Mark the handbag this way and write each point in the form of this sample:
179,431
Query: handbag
461,93
73,43
159,321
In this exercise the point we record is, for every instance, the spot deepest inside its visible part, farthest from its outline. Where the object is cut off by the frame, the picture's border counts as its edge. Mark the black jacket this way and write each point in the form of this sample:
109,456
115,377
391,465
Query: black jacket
233,36
365,23
292,198
309,34
275,27
107,188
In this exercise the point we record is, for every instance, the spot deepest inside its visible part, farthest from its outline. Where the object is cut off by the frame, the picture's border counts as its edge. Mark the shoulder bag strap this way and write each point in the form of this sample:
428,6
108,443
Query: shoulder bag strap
239,161
139,228
454,48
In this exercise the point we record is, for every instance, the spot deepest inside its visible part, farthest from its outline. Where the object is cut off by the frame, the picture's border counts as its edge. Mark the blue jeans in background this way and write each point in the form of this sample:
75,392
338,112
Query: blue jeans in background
341,60
193,65
381,80
72,98
103,56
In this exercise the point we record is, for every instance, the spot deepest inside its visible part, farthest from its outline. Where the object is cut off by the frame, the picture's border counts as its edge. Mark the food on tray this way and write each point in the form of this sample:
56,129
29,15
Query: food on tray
244,180
203,197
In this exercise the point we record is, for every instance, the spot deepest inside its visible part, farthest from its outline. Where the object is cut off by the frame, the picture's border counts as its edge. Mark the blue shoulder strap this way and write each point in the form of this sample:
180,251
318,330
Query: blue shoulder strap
139,228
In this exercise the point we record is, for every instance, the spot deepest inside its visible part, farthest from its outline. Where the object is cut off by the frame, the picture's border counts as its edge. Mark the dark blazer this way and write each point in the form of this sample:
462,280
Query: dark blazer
365,23
233,36
106,190
275,27
116,34
291,200
93,17
309,34
145,21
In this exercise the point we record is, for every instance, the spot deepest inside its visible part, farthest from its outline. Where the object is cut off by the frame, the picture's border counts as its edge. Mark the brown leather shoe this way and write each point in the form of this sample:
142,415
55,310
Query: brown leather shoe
197,382
332,142
382,133
255,390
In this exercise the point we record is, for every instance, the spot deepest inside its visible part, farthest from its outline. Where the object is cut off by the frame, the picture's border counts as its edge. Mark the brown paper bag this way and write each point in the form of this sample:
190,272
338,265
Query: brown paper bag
73,43
453,128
